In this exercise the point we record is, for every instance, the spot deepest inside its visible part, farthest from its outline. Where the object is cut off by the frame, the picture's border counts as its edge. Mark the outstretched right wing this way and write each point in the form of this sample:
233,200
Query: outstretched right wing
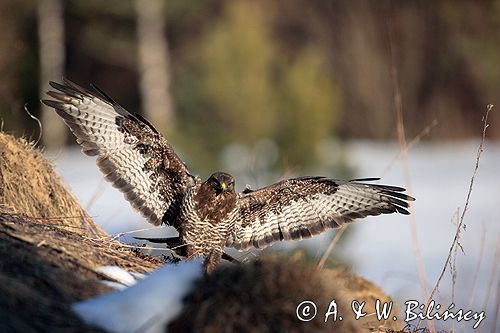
302,207
130,152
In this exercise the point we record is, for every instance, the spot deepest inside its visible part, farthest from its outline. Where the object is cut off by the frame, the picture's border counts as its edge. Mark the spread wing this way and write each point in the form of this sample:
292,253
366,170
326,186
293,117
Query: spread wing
302,207
130,152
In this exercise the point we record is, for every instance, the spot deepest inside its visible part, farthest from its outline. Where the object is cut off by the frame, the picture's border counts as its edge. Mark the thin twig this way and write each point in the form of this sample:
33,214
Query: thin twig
97,194
150,248
453,270
118,235
38,122
334,241
398,103
454,244
426,131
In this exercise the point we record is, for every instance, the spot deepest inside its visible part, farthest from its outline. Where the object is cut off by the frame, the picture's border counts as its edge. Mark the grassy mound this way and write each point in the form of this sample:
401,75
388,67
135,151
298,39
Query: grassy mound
49,246
263,295
30,187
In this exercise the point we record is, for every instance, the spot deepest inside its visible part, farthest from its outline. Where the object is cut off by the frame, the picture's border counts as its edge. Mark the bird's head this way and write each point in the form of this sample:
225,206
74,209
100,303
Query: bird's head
221,182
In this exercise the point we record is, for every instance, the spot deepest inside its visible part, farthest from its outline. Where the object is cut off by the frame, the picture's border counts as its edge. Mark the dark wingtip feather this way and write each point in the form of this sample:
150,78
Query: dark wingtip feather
398,200
52,104
56,95
401,210
54,84
68,89
399,195
393,191
390,188
371,179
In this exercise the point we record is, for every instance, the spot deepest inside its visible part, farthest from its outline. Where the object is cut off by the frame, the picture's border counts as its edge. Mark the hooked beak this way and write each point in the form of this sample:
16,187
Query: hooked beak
223,186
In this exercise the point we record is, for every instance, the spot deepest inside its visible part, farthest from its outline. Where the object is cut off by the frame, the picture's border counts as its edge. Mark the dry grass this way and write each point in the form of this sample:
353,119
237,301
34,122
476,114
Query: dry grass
87,252
30,187
32,195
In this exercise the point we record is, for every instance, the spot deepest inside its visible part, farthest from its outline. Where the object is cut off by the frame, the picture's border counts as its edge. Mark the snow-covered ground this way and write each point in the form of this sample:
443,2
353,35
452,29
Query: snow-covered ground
146,306
440,174
379,248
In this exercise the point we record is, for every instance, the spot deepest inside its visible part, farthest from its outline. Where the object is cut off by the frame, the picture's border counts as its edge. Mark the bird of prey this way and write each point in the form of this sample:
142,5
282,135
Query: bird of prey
208,215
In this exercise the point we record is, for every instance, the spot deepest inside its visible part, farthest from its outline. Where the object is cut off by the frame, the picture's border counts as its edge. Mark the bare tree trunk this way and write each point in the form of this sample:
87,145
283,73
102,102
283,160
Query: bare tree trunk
52,54
154,63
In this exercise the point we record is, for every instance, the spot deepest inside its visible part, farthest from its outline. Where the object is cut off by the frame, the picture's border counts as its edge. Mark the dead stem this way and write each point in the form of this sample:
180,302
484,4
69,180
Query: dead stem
334,241
119,235
455,242
403,146
40,127
149,248
97,194
426,131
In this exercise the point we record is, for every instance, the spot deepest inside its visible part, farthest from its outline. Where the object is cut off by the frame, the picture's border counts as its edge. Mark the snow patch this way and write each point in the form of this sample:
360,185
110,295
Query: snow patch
147,306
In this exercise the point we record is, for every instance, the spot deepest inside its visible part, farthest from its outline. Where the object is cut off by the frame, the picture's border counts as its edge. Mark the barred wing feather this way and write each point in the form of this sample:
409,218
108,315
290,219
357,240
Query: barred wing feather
130,152
303,207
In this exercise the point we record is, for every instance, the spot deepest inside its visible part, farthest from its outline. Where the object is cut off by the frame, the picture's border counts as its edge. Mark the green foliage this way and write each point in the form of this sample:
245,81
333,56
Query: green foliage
311,105
250,90
237,60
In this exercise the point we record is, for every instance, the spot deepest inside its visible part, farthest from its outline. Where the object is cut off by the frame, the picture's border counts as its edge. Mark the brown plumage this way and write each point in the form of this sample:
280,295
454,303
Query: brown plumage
208,215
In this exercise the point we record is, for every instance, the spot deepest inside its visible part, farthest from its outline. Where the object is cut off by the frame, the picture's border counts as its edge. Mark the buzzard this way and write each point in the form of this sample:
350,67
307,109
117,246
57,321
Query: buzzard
208,215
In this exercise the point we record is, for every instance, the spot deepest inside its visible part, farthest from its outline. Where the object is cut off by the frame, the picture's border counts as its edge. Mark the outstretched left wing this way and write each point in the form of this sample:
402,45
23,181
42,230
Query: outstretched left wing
299,208
130,152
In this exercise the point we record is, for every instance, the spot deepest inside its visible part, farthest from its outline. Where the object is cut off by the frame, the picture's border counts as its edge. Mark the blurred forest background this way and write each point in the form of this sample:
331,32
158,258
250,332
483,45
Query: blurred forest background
284,80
